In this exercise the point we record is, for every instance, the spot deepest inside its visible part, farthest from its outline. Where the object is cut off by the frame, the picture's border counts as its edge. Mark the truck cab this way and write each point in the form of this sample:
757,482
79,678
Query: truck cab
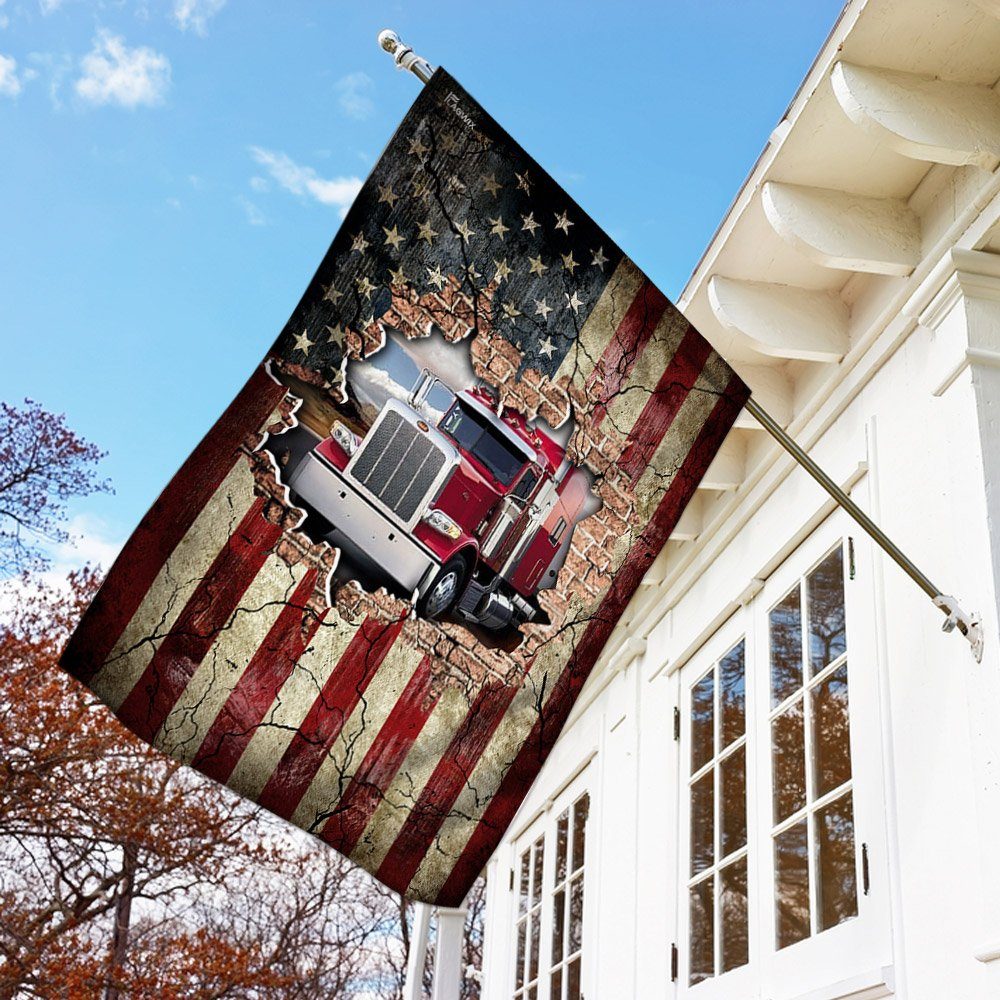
470,514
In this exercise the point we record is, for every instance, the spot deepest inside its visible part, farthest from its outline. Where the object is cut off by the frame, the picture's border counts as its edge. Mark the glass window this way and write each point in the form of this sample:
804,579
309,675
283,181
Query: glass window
549,922
529,917
526,484
717,794
557,531
771,800
485,442
567,901
812,827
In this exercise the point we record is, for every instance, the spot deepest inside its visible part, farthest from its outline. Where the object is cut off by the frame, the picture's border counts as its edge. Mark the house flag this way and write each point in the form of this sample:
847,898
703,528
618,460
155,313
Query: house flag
370,597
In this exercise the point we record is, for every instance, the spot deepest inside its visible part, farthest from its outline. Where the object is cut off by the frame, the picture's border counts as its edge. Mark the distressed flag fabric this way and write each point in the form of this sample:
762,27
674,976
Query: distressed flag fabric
371,596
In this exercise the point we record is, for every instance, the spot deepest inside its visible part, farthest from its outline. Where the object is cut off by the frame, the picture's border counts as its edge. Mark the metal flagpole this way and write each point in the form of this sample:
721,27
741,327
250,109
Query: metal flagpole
968,625
956,617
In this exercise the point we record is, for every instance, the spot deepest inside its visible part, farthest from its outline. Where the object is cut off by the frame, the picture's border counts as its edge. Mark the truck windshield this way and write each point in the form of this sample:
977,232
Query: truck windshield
485,443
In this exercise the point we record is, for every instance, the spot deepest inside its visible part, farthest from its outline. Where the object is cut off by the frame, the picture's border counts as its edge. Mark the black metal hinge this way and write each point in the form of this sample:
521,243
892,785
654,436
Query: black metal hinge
866,883
677,723
510,887
675,960
851,568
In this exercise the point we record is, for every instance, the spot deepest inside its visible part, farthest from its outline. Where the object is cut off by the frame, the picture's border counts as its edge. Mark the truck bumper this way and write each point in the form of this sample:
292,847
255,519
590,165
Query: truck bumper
366,533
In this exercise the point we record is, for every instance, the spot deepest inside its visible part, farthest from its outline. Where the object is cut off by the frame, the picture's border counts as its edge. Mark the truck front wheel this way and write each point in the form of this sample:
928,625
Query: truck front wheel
446,589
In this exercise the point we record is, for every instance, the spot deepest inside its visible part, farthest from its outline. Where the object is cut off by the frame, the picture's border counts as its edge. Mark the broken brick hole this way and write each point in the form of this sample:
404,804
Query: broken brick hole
427,490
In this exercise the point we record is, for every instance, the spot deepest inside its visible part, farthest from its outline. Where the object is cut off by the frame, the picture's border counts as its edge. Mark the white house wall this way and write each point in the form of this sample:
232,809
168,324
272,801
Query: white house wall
924,463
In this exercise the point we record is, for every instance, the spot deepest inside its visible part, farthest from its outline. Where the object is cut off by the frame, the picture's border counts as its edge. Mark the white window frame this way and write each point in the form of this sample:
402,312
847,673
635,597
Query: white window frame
546,825
863,943
737,982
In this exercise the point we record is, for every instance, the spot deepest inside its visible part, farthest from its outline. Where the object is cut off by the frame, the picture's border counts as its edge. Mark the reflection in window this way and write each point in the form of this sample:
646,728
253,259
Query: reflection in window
827,634
717,889
567,901
529,913
786,647
815,884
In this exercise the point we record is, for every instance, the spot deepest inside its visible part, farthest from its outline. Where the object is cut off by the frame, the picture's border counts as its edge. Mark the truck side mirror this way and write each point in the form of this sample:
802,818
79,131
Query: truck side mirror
422,388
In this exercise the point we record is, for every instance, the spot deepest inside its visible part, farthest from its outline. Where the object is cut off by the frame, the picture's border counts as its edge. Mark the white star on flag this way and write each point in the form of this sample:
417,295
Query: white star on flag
542,308
435,277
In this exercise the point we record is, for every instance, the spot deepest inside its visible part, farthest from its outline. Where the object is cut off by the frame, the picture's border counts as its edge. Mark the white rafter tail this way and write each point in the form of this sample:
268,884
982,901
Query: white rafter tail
781,321
922,117
657,573
968,624
772,389
690,524
728,468
847,231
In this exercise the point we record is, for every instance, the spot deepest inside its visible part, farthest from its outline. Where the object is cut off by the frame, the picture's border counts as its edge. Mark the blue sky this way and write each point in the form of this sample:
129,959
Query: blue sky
171,172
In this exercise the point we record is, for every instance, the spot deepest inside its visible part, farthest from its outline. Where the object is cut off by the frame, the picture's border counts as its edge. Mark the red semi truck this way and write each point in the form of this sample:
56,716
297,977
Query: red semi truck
470,513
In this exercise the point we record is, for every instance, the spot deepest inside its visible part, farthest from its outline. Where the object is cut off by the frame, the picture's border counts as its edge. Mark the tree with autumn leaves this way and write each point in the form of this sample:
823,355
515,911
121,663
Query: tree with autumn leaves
123,874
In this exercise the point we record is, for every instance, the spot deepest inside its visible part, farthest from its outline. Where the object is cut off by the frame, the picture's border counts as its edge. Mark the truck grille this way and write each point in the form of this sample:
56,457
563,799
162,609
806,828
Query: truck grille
398,465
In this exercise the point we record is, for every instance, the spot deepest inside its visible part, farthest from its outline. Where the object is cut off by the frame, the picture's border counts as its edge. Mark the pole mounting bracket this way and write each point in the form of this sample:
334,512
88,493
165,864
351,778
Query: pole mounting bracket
968,624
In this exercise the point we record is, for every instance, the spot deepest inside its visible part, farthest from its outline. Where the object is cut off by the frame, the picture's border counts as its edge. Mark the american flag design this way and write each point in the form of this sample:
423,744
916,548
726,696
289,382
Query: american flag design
221,635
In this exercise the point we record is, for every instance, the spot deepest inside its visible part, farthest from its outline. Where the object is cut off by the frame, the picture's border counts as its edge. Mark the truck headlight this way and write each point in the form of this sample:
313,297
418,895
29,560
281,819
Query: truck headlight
440,521
345,437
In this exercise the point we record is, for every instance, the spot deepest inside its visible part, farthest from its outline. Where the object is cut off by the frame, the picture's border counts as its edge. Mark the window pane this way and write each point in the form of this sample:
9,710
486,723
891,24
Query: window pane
831,733
533,954
521,931
838,892
702,932
558,922
702,722
576,915
581,809
562,834
573,981
827,634
555,993
536,880
732,695
533,993
734,924
791,885
733,801
789,756
786,647
702,823
522,905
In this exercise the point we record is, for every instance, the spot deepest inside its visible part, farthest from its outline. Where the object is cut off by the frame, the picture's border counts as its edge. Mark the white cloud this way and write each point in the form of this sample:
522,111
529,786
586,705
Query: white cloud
259,184
116,74
90,541
48,6
353,95
254,215
10,82
56,68
336,191
195,14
